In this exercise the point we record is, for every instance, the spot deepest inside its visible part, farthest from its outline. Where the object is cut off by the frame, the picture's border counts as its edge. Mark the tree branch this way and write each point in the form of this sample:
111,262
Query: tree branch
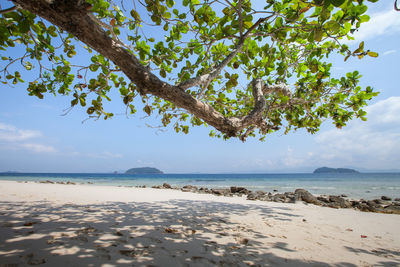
281,88
207,78
7,10
73,17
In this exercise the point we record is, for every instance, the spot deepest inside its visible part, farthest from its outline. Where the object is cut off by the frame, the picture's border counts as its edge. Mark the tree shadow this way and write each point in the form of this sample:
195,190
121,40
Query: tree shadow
172,233
390,254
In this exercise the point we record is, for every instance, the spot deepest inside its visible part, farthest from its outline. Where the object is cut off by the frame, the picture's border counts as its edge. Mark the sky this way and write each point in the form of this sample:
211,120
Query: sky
35,136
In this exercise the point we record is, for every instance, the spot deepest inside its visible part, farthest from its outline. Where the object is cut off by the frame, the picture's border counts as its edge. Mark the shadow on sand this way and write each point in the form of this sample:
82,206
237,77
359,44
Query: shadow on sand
173,233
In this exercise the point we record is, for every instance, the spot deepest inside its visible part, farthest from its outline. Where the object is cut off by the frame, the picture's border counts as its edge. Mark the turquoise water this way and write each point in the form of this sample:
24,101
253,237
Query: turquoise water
355,185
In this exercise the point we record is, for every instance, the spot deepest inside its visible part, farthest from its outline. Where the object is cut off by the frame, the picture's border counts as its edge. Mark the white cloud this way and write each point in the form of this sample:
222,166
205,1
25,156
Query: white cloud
382,23
371,144
38,148
389,52
14,138
105,155
10,133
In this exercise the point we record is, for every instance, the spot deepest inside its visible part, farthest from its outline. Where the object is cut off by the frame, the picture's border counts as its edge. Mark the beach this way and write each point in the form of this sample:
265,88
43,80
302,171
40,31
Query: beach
94,225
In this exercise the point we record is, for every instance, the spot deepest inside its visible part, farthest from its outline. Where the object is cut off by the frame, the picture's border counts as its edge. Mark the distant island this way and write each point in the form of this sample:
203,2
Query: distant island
334,170
144,170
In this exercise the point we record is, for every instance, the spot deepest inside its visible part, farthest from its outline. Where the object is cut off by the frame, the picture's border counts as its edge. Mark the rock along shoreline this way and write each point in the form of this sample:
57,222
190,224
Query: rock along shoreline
383,205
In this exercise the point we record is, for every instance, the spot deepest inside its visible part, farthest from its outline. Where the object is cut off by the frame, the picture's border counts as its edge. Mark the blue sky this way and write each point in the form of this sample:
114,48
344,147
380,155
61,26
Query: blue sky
35,137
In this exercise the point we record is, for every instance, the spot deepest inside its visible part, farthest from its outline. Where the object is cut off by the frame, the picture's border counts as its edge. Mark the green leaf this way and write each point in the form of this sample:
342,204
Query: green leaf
337,3
167,15
163,73
170,3
318,33
147,109
278,22
372,54
94,67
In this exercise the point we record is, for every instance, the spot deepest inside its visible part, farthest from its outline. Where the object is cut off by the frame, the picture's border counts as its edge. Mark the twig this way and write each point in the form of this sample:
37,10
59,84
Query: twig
7,10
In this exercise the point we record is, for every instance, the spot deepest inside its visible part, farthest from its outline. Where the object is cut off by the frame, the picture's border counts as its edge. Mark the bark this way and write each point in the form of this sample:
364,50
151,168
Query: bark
74,17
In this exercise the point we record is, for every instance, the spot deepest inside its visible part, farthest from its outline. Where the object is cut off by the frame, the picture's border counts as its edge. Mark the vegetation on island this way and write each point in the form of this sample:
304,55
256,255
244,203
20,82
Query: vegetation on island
143,170
244,67
334,170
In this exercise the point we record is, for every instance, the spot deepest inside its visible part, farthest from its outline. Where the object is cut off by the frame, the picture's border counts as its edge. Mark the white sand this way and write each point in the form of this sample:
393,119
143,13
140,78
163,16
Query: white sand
90,225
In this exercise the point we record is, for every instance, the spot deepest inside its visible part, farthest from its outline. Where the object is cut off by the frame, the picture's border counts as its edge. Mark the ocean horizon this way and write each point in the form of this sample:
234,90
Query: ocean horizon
354,185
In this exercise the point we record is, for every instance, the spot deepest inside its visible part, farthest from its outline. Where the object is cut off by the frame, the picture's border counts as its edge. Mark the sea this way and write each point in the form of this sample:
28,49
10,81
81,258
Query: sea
354,185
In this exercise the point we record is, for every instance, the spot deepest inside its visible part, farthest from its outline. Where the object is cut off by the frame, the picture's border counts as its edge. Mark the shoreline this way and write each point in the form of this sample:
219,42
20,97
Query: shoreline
85,225
361,186
383,204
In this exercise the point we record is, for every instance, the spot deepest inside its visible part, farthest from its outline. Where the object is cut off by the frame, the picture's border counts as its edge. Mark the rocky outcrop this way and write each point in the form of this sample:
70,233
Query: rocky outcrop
189,188
395,209
382,205
166,186
304,195
239,190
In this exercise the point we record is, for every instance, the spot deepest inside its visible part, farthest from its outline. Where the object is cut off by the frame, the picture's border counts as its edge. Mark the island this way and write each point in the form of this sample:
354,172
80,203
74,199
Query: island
143,170
334,170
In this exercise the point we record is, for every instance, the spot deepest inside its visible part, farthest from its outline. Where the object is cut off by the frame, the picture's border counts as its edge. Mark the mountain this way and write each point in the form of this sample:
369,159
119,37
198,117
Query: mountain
144,170
333,170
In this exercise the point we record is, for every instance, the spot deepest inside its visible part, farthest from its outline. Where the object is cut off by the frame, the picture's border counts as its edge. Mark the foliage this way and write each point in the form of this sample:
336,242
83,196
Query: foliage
282,42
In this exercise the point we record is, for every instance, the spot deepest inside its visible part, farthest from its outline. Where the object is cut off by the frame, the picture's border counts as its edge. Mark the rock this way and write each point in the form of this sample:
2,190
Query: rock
341,202
386,198
29,223
275,190
392,209
378,201
365,207
156,186
290,197
397,199
279,198
252,196
204,190
343,195
170,230
306,196
239,190
221,192
189,188
46,182
165,185
323,199
264,198
243,241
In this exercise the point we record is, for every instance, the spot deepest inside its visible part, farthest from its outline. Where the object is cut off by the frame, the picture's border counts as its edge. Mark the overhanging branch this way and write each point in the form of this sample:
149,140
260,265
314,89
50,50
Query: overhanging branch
205,79
73,17
7,10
